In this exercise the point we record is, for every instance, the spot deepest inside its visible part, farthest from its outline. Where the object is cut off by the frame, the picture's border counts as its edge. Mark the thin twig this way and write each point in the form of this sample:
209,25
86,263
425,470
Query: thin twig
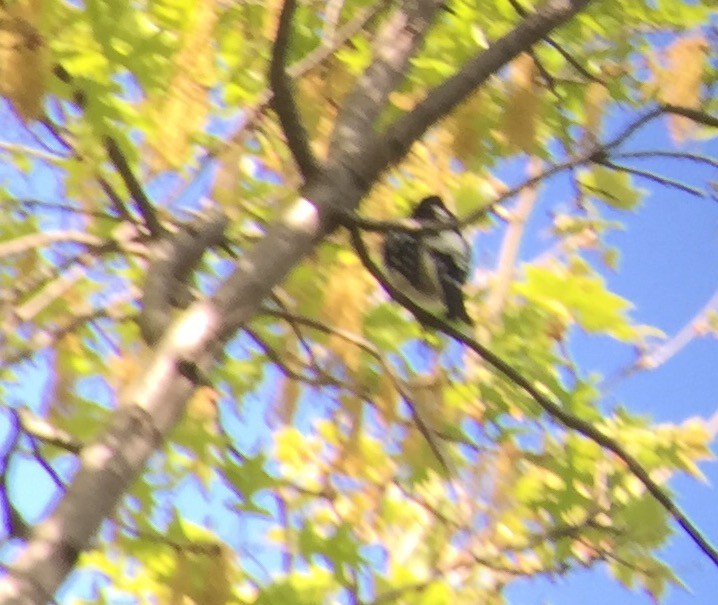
656,178
631,129
657,356
118,309
116,201
278,299
42,429
143,203
55,289
275,357
52,473
298,69
676,155
572,61
397,383
33,241
598,154
25,150
58,207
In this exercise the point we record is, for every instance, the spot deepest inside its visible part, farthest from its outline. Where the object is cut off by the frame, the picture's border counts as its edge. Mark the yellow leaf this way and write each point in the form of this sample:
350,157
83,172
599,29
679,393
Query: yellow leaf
203,405
466,126
345,301
183,110
123,368
201,575
680,81
24,63
595,101
522,104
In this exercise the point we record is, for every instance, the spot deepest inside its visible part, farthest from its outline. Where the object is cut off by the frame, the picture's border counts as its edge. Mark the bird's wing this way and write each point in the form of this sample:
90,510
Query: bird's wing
400,254
451,277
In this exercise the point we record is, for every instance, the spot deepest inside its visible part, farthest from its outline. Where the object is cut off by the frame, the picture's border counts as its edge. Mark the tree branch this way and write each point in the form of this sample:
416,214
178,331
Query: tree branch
395,44
149,407
554,410
510,245
153,403
54,289
167,285
652,176
675,155
304,65
117,309
655,357
597,154
520,10
92,242
426,431
143,203
395,143
283,99
698,116
696,326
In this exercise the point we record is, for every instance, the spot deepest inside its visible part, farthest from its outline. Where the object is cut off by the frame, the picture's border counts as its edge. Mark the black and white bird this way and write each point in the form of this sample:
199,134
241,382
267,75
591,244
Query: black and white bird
430,268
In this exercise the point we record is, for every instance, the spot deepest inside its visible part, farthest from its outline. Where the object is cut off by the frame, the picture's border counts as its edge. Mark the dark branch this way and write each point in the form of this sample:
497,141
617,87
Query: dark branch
283,99
598,154
143,203
298,69
674,155
698,116
442,99
656,178
555,410
115,200
138,194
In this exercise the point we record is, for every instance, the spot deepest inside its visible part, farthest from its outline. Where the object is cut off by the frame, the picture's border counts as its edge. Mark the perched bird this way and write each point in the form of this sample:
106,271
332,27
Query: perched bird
430,268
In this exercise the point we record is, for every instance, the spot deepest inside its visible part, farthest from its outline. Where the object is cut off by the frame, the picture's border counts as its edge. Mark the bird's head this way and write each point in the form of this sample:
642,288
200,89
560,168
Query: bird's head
431,208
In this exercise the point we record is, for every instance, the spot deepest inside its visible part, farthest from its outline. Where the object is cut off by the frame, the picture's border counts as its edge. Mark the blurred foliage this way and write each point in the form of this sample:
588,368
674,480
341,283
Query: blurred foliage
300,476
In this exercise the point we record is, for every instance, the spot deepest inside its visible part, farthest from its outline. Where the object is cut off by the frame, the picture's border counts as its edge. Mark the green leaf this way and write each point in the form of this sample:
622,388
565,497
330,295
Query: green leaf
248,478
579,294
613,187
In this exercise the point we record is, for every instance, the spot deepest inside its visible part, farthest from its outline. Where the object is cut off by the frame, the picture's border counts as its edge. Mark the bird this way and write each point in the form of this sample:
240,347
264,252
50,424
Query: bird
430,268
